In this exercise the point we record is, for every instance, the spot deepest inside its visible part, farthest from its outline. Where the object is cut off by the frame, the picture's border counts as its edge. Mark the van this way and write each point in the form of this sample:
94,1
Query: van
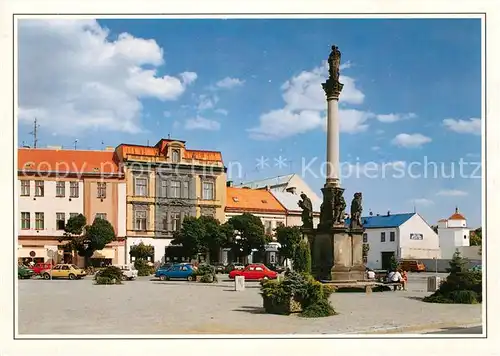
412,266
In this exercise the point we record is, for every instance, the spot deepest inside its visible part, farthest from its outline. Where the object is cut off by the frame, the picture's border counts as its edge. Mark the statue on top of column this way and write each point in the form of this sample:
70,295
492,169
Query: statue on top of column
334,63
307,211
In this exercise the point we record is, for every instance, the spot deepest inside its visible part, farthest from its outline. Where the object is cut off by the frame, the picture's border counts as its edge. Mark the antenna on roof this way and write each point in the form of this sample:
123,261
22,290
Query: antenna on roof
414,207
148,143
102,145
35,133
168,136
75,142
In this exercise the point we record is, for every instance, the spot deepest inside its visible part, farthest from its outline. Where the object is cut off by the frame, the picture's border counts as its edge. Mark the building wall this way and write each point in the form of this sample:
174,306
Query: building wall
295,219
158,245
211,207
108,205
139,202
301,186
452,238
428,247
122,209
166,206
49,204
374,257
457,223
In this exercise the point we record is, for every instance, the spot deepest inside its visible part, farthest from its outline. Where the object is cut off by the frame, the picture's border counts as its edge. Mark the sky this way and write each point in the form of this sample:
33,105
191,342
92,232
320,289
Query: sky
410,110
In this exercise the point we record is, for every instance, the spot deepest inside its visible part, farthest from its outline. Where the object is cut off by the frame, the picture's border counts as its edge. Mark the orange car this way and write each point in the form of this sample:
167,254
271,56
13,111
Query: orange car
412,266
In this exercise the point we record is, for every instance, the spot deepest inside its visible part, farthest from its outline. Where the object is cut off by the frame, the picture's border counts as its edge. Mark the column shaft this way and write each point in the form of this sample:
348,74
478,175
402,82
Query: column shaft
333,143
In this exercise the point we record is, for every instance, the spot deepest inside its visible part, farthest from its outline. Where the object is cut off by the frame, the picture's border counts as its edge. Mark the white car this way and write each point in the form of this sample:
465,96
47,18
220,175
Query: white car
129,271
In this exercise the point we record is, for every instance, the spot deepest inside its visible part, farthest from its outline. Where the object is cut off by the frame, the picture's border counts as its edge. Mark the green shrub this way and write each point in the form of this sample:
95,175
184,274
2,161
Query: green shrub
464,297
461,286
281,297
110,272
320,308
107,280
205,270
302,258
142,267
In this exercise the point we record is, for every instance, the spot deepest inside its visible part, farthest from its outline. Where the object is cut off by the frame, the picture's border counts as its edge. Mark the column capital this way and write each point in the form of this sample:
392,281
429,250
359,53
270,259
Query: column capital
332,88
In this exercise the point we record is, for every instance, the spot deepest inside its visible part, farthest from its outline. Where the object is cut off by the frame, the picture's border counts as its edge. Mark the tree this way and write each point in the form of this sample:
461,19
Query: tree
191,236
476,237
214,237
142,251
251,234
435,228
394,263
86,239
458,263
302,257
289,238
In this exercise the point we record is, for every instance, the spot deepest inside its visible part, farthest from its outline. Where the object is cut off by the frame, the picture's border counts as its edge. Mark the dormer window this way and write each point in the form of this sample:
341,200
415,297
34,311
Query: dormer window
264,201
235,199
176,155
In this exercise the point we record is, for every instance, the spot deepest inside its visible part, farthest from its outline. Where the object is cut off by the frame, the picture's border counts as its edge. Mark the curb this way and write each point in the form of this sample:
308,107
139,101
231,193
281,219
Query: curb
419,329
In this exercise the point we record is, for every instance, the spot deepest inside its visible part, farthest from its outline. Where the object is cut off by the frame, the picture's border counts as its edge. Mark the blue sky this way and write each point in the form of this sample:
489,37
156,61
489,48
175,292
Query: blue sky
252,89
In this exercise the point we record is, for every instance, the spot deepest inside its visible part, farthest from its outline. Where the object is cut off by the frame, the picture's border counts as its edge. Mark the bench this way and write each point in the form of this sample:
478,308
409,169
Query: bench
396,285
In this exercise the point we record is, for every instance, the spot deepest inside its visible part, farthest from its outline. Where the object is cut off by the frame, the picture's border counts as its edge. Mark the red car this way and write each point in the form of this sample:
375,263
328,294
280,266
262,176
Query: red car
256,271
39,267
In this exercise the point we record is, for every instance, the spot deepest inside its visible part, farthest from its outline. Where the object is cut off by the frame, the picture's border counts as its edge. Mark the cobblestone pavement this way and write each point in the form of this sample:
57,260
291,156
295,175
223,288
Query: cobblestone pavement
146,306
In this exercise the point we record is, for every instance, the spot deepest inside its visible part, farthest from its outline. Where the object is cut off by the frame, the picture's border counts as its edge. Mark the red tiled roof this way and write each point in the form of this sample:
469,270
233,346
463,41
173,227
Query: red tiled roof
248,200
66,161
457,216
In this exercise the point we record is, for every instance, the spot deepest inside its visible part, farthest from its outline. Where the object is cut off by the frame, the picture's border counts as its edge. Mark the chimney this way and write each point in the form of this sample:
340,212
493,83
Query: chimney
371,213
268,188
110,148
388,213
292,190
229,183
378,214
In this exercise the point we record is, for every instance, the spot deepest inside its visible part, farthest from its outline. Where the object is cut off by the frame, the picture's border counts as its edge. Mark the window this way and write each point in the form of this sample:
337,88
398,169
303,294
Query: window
39,188
175,189
141,187
101,190
39,221
365,238
165,222
176,221
465,237
164,188
73,190
25,188
392,236
103,216
60,221
208,190
25,221
382,237
176,156
71,215
64,268
269,226
60,189
140,220
185,190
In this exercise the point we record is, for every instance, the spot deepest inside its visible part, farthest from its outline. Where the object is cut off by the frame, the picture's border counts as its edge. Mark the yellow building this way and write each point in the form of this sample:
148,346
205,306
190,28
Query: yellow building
165,183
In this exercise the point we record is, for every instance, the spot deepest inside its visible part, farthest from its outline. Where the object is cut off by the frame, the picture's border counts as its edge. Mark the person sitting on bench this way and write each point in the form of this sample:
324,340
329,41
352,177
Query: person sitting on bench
394,277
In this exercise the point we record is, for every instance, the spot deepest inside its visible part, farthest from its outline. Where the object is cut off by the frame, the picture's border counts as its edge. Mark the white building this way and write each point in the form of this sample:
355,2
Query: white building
291,183
44,208
290,202
404,236
453,235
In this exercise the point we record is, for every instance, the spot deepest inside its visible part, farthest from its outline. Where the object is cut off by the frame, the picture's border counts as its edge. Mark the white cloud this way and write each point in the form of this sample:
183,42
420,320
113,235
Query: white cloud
410,141
283,123
222,111
422,202
201,123
228,83
471,126
375,148
207,102
89,81
305,106
452,193
389,118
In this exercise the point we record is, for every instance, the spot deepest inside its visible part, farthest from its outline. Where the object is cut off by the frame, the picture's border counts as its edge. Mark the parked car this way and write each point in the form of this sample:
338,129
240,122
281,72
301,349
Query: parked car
129,272
220,268
256,271
38,268
234,266
177,271
69,271
412,266
24,272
